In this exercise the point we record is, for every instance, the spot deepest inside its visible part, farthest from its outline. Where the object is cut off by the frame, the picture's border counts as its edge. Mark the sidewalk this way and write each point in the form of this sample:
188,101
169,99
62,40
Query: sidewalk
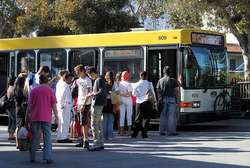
188,150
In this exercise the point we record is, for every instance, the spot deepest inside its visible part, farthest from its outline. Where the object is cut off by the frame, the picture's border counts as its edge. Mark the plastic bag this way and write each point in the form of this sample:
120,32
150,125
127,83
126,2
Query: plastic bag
22,133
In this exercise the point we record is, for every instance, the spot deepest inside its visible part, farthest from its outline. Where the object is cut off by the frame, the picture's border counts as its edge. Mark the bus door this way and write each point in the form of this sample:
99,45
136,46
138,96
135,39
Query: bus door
3,72
157,59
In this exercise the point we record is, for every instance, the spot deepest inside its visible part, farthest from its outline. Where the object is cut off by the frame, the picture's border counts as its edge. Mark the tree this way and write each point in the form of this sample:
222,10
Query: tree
232,15
54,17
8,12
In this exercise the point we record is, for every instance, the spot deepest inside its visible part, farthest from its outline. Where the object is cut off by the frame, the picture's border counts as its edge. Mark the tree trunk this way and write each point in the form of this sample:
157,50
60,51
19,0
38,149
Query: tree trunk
246,58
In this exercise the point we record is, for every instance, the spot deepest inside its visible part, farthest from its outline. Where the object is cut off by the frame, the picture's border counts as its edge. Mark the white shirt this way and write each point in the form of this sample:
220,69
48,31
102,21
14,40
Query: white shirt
140,90
84,87
124,87
63,94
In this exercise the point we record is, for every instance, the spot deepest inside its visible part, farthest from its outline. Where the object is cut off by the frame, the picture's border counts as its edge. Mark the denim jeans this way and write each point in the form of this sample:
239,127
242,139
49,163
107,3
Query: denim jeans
36,128
108,123
168,116
11,120
97,125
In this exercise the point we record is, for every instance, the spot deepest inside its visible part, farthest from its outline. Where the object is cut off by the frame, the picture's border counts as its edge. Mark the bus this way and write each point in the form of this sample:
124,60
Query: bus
198,59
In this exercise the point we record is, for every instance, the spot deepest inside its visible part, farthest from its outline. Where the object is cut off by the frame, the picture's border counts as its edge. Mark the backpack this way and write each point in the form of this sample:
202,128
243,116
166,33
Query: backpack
31,78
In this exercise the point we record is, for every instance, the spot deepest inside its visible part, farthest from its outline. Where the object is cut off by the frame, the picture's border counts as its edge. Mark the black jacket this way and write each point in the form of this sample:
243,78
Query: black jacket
100,92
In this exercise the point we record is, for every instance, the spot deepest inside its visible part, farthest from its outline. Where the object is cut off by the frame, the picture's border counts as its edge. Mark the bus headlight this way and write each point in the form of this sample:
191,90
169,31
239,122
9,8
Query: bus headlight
196,104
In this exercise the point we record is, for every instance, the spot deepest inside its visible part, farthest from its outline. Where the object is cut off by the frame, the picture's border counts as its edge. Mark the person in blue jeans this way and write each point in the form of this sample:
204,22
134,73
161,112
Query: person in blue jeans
39,114
167,92
108,114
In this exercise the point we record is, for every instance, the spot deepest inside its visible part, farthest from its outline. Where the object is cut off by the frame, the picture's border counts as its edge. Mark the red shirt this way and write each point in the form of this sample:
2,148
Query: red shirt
41,101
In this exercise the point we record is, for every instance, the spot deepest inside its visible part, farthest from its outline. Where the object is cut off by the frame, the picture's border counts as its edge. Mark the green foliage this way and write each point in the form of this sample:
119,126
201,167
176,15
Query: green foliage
8,13
53,17
224,15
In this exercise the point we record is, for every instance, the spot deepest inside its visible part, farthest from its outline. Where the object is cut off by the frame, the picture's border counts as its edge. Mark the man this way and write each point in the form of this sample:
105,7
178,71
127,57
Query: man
83,103
64,106
32,80
144,106
167,92
39,113
99,100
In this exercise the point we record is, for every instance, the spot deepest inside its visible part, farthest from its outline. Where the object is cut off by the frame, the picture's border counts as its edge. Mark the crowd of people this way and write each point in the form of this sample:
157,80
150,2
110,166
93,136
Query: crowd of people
87,104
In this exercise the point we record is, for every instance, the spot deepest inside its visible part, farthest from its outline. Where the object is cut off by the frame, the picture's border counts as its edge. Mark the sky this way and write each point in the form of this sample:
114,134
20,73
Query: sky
231,38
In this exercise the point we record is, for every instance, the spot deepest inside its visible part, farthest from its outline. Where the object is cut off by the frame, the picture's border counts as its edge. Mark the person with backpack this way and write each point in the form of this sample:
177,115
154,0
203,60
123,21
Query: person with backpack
32,80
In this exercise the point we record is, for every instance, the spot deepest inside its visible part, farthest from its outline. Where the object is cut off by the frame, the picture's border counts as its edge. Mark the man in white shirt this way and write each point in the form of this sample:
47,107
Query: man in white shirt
144,106
64,106
83,103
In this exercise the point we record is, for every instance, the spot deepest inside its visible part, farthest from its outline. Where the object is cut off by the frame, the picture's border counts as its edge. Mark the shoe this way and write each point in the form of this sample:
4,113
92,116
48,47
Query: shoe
32,161
162,134
86,144
134,135
64,141
49,161
80,144
173,134
102,147
11,138
93,148
144,135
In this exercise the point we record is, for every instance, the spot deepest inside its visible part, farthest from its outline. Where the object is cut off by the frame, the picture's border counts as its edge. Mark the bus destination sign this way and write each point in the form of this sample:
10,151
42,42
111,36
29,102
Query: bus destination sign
210,39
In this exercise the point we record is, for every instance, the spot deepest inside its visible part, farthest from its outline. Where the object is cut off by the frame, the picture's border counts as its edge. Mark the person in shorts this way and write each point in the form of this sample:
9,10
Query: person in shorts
83,103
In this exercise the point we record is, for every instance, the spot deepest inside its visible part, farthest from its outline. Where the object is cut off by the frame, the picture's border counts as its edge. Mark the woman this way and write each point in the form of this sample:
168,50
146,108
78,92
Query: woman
116,107
11,110
21,105
108,114
126,107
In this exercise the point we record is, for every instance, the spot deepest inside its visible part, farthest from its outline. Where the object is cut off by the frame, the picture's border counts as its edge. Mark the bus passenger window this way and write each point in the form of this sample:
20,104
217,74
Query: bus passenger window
86,57
26,61
127,59
54,59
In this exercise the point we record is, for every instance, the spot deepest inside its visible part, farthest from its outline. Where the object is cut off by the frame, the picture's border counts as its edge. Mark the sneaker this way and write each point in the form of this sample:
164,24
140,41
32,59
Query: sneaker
86,144
134,135
80,144
64,141
101,147
32,161
173,134
94,148
49,161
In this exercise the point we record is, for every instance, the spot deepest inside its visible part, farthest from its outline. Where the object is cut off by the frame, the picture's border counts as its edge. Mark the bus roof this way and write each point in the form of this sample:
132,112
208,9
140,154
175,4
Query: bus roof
160,37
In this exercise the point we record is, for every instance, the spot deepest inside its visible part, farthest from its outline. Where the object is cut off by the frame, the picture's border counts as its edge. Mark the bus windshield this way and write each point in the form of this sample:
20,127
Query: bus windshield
204,67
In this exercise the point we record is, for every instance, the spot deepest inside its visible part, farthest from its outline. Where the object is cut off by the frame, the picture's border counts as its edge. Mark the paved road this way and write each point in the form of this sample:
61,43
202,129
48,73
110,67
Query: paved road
206,149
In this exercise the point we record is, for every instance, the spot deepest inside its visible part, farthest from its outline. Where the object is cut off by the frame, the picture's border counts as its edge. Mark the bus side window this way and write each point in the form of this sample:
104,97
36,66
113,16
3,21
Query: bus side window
55,59
86,57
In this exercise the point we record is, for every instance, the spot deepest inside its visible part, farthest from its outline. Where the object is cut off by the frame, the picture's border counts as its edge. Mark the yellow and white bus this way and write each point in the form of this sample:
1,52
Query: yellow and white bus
198,59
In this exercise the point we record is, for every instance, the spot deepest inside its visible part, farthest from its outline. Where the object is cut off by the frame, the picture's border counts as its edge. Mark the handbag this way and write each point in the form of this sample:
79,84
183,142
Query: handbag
115,98
6,103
